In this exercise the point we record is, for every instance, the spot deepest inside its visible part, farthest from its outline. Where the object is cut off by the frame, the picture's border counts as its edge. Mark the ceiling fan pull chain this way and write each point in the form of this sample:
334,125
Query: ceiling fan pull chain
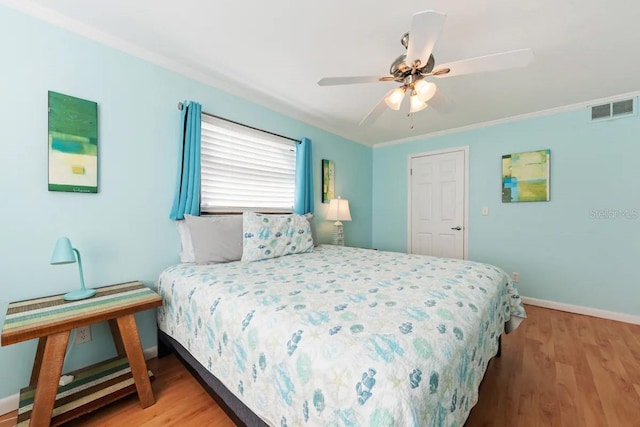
410,120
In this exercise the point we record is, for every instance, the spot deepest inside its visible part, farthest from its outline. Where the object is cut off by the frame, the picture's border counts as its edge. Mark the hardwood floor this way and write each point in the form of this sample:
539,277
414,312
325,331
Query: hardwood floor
180,401
563,369
557,369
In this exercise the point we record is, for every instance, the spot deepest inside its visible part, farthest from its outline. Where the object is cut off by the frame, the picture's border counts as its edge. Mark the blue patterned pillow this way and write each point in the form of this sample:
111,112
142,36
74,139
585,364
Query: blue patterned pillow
271,236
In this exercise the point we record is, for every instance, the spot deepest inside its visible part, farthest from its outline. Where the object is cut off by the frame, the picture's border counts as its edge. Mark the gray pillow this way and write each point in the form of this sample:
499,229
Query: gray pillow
215,238
186,247
312,223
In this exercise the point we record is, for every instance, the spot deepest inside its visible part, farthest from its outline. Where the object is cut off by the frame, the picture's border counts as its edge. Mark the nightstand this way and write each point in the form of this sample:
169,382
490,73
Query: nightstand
51,319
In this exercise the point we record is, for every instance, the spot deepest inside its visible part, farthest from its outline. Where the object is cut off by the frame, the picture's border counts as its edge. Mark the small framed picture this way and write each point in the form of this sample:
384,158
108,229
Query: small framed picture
525,176
328,180
73,144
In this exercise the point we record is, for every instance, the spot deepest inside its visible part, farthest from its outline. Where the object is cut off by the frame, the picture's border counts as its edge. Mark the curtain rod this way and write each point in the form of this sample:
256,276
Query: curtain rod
181,106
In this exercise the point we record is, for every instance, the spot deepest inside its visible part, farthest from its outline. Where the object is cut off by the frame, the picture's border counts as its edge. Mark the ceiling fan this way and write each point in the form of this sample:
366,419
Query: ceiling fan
413,67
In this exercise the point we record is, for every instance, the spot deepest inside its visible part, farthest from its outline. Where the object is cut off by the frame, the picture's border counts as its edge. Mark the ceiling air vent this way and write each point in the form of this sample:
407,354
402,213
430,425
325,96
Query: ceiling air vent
614,110
601,112
622,108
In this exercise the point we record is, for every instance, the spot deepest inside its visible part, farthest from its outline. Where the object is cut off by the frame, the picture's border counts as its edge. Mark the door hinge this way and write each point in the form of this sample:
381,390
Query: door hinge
410,172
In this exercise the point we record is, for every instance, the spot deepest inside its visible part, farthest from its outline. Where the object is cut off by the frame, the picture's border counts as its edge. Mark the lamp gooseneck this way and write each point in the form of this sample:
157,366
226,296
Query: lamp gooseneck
77,252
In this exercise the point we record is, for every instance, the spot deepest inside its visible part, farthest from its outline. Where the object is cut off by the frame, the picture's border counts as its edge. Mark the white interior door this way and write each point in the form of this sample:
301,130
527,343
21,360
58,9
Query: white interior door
437,204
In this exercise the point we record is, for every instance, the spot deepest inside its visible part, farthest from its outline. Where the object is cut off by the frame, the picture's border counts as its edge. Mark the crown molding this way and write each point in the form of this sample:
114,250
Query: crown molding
210,77
521,117
258,95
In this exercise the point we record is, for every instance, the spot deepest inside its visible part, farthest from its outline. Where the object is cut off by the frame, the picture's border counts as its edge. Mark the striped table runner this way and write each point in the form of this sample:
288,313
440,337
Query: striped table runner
43,314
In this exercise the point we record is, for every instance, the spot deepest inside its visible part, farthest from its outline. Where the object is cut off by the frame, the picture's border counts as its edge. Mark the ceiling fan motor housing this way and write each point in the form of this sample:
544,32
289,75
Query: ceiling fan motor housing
400,70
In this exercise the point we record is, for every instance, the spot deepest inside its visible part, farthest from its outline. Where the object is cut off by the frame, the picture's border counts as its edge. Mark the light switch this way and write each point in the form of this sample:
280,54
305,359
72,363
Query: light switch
485,210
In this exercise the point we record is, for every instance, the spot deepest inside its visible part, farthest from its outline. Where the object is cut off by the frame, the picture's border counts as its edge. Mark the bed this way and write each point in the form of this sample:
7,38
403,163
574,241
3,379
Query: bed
339,336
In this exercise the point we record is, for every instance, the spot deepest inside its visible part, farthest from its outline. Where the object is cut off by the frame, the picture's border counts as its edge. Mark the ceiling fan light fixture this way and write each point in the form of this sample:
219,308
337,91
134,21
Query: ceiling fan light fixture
412,68
425,90
394,98
416,103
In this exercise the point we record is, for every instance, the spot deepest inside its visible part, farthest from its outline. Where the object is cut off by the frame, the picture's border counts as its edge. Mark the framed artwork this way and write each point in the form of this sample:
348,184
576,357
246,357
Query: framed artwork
328,180
73,144
525,176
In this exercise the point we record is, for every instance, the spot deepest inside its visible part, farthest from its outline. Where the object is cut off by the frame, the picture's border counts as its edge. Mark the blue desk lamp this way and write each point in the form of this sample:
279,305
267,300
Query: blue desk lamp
64,254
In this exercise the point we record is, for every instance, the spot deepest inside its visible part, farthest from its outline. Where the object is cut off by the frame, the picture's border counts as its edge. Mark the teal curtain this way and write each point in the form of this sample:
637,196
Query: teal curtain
187,191
304,178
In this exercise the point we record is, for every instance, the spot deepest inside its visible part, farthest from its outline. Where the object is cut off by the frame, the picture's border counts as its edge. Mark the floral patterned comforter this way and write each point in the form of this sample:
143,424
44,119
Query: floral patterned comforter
344,336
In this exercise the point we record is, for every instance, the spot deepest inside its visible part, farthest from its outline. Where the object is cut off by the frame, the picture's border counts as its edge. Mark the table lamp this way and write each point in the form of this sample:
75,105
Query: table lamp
338,211
64,254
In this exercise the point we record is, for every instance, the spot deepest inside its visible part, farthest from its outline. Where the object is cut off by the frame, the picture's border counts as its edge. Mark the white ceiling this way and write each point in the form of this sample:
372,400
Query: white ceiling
274,52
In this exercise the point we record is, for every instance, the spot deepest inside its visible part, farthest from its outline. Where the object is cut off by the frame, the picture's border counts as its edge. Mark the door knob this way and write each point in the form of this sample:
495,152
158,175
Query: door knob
456,228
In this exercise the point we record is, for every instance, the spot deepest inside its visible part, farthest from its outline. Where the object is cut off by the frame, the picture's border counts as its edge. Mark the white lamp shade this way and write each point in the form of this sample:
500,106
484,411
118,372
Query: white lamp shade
425,90
416,104
394,98
339,210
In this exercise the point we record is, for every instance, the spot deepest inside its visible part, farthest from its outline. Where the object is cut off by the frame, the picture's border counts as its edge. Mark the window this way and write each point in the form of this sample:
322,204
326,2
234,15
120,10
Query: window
245,169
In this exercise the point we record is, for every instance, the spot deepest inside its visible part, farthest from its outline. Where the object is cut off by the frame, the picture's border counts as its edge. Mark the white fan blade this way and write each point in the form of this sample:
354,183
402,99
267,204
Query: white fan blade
441,103
332,81
375,112
481,64
425,30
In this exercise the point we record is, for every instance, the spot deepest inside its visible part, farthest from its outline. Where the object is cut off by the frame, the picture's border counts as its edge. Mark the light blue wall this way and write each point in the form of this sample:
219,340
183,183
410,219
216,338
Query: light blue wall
124,231
560,250
562,253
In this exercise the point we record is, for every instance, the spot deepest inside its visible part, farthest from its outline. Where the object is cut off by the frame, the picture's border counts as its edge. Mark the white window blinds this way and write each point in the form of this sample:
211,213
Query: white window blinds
245,169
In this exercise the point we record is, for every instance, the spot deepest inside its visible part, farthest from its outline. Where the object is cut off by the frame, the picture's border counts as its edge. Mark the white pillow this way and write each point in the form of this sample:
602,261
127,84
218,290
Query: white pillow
186,247
271,236
215,238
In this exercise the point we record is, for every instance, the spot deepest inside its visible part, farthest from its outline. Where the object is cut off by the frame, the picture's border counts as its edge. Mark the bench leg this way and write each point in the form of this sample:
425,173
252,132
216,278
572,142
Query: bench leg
37,363
48,377
131,341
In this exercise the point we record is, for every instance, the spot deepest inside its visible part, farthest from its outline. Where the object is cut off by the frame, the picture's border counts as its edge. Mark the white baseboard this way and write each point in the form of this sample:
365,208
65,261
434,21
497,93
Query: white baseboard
10,403
587,311
150,353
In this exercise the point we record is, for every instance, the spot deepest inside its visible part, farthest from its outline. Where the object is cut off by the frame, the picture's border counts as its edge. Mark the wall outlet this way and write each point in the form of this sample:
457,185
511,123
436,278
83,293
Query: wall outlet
515,276
83,334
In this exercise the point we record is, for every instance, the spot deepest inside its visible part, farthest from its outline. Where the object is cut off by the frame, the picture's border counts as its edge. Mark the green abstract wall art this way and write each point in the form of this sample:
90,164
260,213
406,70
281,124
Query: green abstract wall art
73,144
328,180
525,176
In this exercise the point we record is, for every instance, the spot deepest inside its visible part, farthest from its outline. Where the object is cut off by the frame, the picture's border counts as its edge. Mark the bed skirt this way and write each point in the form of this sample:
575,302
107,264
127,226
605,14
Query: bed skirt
230,404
